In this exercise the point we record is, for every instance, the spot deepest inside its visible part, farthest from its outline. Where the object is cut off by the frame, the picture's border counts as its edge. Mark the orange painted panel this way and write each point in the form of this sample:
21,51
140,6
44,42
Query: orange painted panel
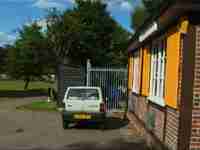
172,69
184,22
130,72
140,69
146,72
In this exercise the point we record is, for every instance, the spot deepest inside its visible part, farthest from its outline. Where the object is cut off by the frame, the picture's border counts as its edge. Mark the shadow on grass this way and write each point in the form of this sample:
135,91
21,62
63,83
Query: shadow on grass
23,93
110,123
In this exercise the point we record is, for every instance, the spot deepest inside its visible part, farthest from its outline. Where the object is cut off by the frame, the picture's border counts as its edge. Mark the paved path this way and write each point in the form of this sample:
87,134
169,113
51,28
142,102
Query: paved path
43,131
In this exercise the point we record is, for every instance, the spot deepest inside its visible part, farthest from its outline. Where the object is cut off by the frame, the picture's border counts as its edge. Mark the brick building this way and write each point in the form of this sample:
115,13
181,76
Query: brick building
164,75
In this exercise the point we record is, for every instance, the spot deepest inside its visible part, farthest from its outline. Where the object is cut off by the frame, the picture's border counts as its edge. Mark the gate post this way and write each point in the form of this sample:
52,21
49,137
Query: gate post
88,72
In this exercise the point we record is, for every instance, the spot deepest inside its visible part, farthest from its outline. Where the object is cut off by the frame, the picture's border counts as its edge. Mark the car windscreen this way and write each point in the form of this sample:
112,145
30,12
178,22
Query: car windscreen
83,94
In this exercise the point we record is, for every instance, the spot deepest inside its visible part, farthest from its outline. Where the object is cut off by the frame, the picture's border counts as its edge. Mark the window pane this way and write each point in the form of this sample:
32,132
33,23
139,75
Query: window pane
136,68
157,69
83,94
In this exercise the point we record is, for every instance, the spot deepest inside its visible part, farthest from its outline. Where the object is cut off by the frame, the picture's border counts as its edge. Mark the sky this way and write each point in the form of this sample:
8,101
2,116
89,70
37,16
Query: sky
15,13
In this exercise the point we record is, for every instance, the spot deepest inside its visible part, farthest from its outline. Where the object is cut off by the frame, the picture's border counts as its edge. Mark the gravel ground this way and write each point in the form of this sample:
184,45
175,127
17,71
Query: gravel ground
43,131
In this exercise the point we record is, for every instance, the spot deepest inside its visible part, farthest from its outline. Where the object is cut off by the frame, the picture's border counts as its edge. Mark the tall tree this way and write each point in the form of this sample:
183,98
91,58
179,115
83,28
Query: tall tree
152,6
148,8
97,29
3,55
120,40
4,58
63,33
138,16
28,58
84,32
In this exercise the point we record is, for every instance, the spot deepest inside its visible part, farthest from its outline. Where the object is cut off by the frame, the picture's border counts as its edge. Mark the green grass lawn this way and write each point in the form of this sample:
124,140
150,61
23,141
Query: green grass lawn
18,85
42,105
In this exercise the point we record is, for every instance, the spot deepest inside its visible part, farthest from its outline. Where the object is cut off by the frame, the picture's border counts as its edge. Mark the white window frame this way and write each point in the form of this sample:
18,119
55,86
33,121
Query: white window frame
157,74
136,72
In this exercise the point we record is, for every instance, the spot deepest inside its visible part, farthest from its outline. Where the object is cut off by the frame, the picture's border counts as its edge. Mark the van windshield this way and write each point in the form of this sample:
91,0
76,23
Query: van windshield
83,94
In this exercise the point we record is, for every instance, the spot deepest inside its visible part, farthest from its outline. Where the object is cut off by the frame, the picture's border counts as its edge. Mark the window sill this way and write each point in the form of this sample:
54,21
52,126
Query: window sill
157,100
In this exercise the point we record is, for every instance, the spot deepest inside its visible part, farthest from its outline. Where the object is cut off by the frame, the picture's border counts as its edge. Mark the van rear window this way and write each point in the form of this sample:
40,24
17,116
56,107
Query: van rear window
83,94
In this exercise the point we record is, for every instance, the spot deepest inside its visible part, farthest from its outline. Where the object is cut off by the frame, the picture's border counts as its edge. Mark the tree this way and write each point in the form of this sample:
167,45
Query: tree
3,57
152,6
120,41
97,30
84,32
147,9
63,32
28,58
138,17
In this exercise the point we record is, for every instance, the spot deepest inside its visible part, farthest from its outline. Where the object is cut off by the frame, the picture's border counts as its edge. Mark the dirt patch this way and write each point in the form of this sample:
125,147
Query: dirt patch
43,131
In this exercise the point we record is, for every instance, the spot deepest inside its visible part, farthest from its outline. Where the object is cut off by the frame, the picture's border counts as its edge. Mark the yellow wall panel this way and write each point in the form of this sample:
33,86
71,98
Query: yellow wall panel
146,72
130,72
140,69
184,22
172,65
172,69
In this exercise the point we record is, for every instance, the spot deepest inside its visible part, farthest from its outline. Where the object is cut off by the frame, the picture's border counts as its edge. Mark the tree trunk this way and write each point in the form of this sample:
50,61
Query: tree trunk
59,84
27,80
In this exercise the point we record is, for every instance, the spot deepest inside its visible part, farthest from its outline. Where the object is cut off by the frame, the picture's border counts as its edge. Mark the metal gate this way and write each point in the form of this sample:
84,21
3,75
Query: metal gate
113,82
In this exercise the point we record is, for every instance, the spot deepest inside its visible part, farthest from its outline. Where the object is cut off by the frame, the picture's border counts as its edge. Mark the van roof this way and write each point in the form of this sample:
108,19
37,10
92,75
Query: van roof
83,87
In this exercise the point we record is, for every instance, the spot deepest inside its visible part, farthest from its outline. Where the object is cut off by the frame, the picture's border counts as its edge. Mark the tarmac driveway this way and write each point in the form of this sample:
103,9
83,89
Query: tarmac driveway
43,130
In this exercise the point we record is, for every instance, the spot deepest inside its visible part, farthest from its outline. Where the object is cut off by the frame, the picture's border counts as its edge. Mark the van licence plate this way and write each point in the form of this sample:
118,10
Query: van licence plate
82,116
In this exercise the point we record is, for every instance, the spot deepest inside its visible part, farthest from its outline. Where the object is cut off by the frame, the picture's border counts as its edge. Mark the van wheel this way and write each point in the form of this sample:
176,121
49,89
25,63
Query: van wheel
65,124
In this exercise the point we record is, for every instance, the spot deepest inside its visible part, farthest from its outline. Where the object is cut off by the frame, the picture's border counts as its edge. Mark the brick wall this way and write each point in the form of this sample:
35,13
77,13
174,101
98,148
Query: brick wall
142,108
195,131
195,135
139,106
159,120
172,126
179,129
166,123
173,115
167,120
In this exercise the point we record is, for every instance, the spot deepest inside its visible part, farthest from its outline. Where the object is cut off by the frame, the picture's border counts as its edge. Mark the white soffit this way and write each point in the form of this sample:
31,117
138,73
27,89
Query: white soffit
153,28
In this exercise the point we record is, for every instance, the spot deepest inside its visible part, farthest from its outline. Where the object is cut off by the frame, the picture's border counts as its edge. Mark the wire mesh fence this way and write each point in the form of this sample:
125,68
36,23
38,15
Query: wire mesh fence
113,82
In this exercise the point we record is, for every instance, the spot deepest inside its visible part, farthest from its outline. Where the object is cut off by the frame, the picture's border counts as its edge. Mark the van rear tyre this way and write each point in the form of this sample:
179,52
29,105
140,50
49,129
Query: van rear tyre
65,124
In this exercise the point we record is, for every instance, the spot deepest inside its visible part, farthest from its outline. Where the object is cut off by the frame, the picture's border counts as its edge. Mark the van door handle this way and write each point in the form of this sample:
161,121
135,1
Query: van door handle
69,105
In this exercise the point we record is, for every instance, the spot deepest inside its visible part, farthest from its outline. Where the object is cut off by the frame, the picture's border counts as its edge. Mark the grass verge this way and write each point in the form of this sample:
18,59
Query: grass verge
39,106
18,85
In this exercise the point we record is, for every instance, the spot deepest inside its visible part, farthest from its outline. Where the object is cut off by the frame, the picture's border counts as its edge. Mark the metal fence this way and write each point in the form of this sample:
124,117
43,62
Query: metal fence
113,82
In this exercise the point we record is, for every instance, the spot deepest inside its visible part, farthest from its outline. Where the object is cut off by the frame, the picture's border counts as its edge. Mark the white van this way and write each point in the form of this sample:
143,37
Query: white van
82,104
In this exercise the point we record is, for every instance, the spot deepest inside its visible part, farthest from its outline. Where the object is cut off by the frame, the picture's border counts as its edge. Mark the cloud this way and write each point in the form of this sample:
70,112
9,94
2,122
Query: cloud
40,22
122,5
126,6
70,1
46,4
6,39
19,1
